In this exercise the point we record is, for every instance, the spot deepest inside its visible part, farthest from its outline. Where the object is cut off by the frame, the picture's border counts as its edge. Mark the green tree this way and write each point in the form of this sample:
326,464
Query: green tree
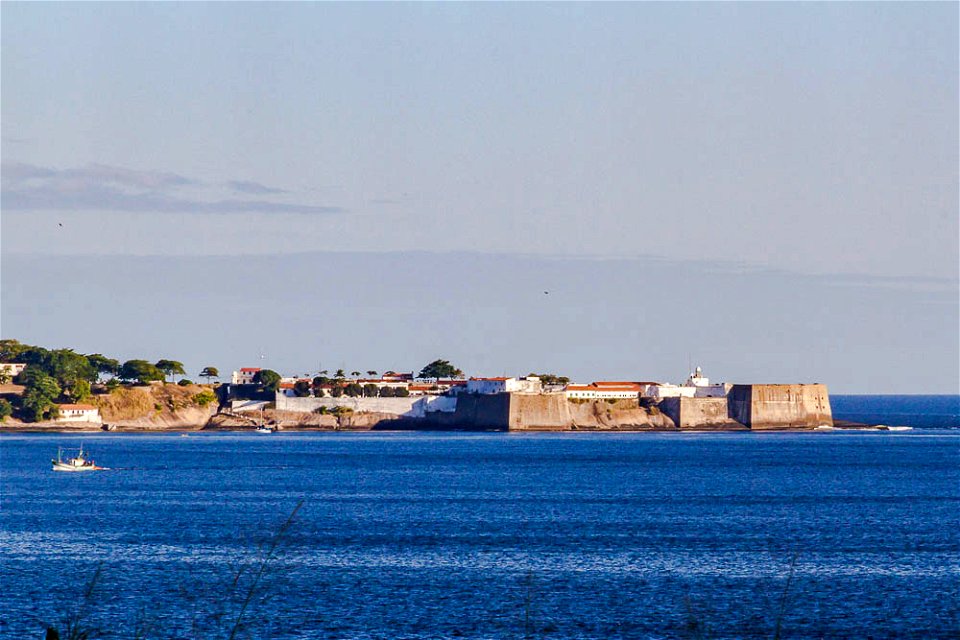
139,371
387,392
103,365
4,376
371,390
80,391
184,382
5,409
210,372
269,378
170,368
440,369
353,390
65,365
339,375
401,392
301,388
336,391
10,350
354,374
371,373
40,395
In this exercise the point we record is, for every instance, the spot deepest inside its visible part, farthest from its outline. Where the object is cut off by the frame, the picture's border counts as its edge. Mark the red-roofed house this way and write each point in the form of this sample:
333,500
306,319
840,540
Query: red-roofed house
246,375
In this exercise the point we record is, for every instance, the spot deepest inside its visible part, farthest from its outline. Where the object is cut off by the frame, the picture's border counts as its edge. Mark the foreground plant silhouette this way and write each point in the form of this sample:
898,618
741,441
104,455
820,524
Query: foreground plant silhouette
261,568
75,627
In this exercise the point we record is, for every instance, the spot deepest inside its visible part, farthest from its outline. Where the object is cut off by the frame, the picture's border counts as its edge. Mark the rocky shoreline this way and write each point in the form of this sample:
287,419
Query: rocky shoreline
361,422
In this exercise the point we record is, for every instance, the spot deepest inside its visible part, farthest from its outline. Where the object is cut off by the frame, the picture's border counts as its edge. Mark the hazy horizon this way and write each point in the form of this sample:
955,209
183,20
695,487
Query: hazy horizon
769,190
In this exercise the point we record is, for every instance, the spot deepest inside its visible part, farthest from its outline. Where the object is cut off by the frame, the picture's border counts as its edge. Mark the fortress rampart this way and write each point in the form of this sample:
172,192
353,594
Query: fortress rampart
780,406
750,406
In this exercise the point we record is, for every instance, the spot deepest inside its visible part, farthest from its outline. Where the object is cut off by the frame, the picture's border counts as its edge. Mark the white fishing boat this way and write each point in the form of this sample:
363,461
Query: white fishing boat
77,463
262,428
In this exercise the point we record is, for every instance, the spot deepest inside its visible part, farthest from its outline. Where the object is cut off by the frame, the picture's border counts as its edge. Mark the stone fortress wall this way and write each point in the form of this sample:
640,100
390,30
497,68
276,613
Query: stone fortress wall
751,406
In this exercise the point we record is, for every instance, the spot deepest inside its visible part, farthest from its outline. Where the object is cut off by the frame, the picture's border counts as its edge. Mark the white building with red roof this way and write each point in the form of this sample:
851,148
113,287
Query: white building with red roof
604,390
246,375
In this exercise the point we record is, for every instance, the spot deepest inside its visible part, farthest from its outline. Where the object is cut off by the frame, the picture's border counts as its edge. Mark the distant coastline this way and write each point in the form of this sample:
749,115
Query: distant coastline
61,390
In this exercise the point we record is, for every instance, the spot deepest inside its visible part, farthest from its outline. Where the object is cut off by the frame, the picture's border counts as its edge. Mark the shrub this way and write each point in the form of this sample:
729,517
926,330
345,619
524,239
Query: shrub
401,392
204,398
5,409
185,383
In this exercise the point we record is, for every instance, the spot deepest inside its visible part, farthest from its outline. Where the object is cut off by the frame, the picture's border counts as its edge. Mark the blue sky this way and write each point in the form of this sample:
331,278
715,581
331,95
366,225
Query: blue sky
736,146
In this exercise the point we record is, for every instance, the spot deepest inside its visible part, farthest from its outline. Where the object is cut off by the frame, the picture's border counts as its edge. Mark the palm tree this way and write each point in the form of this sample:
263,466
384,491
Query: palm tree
371,373
355,374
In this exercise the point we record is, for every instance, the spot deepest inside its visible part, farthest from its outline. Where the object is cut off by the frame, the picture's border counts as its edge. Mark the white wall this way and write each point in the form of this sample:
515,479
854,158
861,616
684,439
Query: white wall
12,368
415,407
73,415
247,405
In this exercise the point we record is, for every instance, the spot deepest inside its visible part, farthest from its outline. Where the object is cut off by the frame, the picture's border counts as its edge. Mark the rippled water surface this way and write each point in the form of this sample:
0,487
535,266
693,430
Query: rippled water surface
487,535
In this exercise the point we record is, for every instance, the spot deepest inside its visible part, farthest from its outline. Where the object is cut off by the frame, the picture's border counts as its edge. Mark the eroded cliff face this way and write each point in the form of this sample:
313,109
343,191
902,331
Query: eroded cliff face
556,413
158,406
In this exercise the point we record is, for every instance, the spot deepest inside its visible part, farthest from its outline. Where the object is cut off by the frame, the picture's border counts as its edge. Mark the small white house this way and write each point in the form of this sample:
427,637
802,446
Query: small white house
696,386
79,413
487,386
246,375
12,368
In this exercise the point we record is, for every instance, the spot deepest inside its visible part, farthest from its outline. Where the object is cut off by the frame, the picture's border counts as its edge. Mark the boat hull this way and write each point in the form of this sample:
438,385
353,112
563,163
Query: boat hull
72,468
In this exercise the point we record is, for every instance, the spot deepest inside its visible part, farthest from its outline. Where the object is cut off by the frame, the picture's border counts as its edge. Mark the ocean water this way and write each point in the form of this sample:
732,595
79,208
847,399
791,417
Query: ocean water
923,412
420,535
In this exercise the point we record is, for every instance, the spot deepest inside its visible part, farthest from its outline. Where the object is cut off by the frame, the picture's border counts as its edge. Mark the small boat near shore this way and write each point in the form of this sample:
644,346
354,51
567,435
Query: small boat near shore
263,428
78,462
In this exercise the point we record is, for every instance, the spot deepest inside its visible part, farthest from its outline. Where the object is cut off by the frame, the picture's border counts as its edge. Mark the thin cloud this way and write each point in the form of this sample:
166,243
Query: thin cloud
253,188
97,187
